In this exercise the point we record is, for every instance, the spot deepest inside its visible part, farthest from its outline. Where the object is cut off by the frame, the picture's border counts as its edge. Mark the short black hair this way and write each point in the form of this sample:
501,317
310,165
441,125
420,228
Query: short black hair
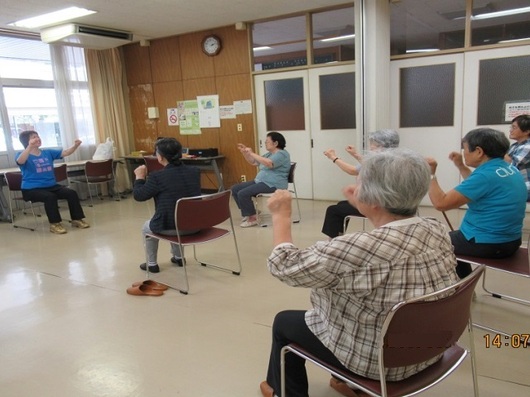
279,138
523,122
494,143
170,149
24,137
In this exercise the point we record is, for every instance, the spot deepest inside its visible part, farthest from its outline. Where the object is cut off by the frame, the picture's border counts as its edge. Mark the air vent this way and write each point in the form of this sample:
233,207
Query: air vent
85,36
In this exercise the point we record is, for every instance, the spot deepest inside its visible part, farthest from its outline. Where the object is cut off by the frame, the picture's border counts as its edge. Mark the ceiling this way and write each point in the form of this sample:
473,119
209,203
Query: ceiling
161,18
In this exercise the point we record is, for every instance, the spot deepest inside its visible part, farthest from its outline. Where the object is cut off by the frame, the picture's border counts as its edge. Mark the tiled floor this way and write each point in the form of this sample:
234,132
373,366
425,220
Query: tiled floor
68,329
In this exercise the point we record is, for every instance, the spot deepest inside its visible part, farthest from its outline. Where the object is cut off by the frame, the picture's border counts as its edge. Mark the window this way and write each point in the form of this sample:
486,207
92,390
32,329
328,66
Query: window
333,35
282,43
29,96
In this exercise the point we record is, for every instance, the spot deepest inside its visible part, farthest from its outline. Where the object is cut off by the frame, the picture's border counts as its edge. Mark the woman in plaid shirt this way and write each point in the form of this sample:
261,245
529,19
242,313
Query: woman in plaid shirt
355,279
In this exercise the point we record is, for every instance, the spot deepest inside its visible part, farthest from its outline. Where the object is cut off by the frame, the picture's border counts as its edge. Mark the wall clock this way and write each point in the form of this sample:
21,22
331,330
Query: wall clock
211,45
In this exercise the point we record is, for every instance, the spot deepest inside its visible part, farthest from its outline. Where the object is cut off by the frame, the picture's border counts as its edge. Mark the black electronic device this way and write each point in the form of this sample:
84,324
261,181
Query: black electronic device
209,152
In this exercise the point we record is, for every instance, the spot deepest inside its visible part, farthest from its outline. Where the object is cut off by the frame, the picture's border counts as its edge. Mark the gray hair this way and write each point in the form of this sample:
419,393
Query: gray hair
385,139
396,180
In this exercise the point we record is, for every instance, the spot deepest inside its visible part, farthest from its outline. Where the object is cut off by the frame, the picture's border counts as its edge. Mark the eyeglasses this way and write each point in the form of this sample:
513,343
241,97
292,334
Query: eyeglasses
514,127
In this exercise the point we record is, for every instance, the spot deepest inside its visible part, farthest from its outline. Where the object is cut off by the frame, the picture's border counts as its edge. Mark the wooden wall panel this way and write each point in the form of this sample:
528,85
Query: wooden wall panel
174,69
195,63
145,131
230,89
234,58
193,88
165,59
166,96
137,64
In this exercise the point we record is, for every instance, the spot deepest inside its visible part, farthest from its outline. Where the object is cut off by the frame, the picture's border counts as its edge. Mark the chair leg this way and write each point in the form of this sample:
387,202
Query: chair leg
500,296
12,214
297,206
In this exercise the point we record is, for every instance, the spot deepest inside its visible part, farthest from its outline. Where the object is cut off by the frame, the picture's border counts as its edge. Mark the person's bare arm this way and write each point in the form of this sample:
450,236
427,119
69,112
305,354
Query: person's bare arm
441,200
279,204
70,150
456,158
343,165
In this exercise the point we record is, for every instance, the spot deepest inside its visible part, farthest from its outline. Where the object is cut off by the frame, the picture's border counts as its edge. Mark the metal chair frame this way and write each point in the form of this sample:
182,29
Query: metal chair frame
14,183
203,213
98,172
517,265
290,179
348,218
406,340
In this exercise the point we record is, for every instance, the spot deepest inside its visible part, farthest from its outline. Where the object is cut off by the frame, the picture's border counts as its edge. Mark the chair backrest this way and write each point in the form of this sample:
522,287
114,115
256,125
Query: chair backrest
290,178
13,181
100,169
152,164
61,173
421,328
202,212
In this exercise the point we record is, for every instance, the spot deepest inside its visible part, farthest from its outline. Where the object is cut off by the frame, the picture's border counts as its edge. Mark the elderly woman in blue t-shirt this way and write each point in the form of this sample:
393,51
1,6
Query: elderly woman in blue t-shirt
494,192
273,172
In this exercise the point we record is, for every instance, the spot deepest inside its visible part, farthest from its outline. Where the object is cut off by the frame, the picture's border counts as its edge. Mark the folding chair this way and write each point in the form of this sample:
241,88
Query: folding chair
98,172
518,265
203,213
414,331
152,164
61,174
349,218
14,183
290,180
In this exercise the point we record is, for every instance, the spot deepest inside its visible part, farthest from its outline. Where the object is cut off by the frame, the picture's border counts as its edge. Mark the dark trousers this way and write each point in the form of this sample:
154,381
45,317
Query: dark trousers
243,193
50,196
289,327
334,220
462,246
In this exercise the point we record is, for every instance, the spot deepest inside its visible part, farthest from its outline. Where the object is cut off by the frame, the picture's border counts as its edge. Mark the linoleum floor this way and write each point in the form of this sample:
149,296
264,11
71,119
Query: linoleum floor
69,329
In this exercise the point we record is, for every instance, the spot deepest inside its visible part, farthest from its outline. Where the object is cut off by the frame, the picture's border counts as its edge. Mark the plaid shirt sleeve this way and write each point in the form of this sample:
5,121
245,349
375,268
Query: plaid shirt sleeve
357,278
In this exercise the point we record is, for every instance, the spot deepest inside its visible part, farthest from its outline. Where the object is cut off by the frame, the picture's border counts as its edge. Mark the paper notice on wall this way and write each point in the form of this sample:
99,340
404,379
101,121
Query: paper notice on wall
243,107
512,109
209,111
227,112
188,115
172,117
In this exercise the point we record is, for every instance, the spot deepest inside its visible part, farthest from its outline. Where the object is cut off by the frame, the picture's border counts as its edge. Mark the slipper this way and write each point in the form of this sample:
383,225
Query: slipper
344,389
151,284
144,290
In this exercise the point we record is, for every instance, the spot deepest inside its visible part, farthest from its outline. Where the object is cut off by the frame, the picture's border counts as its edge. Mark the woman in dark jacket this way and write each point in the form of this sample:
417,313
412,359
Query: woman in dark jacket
166,186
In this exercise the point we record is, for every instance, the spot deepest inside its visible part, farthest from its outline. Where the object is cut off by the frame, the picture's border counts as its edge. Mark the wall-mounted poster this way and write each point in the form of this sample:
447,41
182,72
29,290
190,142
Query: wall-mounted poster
209,111
172,117
513,109
188,114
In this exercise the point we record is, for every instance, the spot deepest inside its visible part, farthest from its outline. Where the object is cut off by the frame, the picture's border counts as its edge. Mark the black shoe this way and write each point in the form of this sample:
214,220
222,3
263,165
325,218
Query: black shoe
176,261
152,269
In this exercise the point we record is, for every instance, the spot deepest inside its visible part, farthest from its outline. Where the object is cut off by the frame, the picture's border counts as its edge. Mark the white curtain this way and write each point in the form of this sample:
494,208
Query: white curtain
73,99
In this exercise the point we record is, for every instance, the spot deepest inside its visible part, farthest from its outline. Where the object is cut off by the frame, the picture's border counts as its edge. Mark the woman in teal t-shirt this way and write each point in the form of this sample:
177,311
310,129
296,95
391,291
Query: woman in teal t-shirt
495,193
273,172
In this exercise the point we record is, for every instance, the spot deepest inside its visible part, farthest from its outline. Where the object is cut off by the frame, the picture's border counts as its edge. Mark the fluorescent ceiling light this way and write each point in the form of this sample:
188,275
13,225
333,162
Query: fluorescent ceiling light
423,50
53,17
345,37
262,48
514,40
498,14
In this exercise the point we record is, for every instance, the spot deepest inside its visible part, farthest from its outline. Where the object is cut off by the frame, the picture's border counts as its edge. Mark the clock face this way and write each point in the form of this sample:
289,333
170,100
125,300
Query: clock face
211,45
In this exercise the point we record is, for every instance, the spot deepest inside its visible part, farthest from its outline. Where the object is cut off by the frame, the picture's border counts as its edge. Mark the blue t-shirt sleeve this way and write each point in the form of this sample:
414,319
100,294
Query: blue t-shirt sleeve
474,186
279,158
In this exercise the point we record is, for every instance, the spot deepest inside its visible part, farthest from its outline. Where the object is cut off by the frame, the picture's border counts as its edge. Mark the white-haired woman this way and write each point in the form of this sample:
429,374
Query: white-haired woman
335,214
350,276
